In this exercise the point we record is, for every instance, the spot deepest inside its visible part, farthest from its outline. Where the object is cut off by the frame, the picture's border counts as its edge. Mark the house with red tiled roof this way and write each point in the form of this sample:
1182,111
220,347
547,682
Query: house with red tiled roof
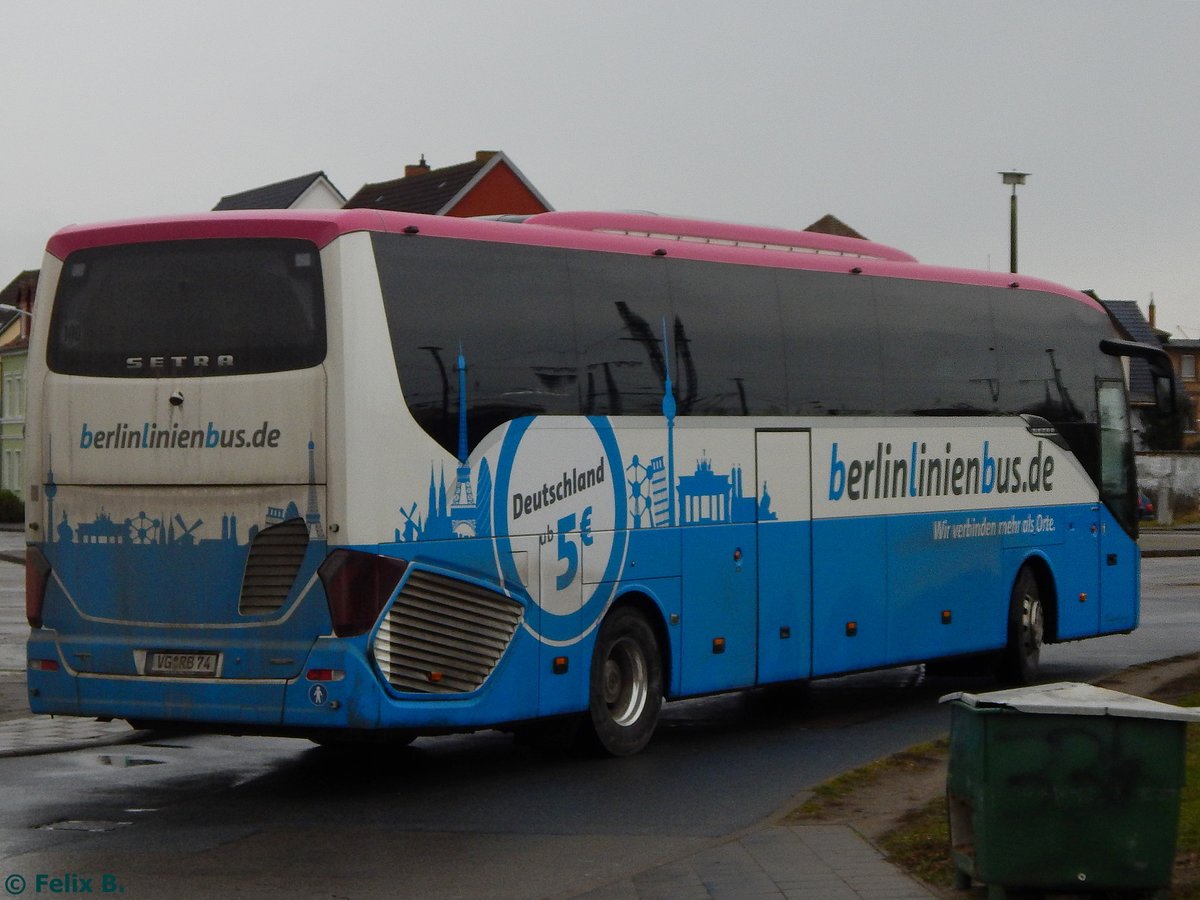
489,185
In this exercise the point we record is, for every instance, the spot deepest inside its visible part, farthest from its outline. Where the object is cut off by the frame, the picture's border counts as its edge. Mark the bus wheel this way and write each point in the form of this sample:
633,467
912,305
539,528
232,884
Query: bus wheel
625,690
1026,628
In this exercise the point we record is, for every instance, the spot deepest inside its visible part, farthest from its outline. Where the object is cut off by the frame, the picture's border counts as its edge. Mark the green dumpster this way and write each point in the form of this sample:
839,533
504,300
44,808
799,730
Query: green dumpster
1064,787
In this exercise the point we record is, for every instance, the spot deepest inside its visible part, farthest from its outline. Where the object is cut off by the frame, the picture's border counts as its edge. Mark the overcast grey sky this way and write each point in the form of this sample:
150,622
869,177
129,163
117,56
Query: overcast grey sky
894,115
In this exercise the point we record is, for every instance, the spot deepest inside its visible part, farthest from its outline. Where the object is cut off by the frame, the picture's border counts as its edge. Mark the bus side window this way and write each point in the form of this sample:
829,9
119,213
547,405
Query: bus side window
831,344
619,304
505,306
939,349
726,340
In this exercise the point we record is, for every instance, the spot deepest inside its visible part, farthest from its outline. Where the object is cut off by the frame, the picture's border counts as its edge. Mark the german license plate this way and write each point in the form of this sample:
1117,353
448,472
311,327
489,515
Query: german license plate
172,662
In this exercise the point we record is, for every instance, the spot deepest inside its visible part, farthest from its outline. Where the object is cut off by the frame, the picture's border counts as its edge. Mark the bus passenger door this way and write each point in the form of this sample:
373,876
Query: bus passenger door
1071,534
1119,558
784,492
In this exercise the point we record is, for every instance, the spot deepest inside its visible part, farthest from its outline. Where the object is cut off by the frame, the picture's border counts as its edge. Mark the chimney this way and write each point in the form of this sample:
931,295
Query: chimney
484,155
419,169
1152,311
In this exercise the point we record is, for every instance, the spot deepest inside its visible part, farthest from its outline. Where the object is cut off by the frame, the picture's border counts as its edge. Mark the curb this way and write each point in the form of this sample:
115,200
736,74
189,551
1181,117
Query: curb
132,737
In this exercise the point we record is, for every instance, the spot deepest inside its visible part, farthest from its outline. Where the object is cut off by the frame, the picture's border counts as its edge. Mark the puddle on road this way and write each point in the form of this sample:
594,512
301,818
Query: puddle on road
92,825
128,762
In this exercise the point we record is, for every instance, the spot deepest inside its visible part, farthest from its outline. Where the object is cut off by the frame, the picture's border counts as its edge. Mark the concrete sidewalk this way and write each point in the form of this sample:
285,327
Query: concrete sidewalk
814,862
1162,541
31,735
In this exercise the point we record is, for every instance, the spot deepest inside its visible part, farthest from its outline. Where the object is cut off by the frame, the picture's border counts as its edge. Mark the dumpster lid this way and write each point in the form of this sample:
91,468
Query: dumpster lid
1072,698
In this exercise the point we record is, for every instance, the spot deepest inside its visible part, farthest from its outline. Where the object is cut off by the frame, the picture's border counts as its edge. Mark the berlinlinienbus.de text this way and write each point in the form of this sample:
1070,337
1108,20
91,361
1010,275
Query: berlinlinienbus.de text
149,436
926,472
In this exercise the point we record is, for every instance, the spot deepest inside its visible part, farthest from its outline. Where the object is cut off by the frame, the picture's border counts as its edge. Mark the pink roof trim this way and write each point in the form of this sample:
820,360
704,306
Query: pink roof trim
318,226
702,231
566,230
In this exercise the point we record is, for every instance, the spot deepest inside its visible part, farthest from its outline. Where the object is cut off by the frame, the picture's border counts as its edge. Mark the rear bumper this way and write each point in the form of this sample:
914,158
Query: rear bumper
355,699
220,703
66,691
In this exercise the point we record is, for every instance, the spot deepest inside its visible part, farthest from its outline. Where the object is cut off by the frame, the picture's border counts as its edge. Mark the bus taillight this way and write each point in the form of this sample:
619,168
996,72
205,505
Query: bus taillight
37,576
357,586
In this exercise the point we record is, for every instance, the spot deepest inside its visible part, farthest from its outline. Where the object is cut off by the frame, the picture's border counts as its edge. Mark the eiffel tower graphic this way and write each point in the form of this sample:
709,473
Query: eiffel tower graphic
312,516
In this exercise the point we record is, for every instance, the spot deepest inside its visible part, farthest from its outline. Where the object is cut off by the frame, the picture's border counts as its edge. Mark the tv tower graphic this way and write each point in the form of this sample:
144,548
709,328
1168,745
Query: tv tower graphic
51,491
463,512
669,410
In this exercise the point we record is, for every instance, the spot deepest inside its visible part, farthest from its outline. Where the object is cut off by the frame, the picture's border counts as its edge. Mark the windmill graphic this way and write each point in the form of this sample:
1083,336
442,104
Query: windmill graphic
412,527
187,538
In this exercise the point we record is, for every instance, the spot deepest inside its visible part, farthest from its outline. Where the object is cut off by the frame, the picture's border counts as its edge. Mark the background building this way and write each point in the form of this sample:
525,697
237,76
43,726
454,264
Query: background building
14,351
313,191
489,185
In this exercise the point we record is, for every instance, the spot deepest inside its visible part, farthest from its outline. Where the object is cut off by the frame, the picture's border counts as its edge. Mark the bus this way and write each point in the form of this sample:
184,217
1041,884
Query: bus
357,474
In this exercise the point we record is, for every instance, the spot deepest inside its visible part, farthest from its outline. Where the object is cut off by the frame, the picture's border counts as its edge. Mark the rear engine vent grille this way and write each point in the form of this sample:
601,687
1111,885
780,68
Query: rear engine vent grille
444,636
275,557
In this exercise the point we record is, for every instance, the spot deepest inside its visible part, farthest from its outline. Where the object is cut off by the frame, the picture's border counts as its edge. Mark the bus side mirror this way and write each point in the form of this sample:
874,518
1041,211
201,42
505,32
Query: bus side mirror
1160,368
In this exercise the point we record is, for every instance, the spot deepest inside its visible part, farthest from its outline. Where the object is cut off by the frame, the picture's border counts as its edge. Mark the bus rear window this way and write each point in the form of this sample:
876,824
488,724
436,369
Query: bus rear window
189,308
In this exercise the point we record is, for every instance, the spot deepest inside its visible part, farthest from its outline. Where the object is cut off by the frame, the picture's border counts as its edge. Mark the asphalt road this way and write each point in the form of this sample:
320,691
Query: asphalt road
477,815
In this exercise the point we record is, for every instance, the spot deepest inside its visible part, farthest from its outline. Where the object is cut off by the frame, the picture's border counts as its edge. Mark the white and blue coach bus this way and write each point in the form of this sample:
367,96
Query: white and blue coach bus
356,473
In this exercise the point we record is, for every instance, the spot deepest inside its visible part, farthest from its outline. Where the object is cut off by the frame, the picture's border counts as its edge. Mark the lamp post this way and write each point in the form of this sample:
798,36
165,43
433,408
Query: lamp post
9,309
1013,178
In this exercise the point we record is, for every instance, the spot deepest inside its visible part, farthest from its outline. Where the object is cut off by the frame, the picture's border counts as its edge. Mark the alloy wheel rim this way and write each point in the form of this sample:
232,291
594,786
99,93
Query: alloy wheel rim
625,682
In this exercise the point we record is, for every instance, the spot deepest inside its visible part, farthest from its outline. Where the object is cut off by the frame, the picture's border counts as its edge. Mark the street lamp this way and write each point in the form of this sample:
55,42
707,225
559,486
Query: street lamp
7,309
1013,178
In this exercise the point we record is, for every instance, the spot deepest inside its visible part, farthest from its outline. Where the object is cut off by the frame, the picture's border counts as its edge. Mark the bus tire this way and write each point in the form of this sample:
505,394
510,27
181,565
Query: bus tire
625,687
1026,630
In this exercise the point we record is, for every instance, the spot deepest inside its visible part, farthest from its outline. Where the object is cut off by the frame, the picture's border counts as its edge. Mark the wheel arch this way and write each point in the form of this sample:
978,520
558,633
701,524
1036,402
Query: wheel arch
1043,574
